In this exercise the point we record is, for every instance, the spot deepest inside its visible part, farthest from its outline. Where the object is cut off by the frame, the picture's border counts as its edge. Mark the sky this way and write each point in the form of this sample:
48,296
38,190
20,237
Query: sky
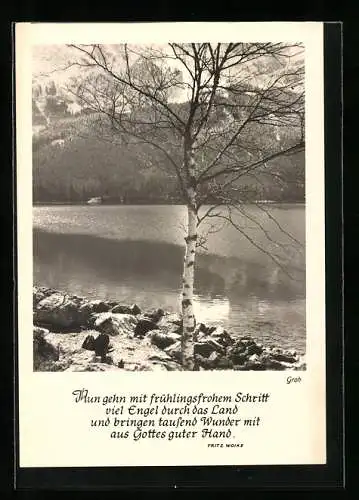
49,62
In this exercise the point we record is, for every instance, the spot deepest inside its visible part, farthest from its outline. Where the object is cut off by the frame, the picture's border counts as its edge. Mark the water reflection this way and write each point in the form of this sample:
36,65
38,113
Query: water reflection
248,297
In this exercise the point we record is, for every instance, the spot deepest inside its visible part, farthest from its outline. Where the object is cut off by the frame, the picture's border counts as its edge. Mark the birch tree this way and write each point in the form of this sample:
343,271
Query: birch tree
216,113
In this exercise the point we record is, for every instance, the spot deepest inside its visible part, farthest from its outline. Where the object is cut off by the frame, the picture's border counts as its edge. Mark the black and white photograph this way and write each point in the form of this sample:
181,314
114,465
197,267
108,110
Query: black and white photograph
171,244
169,203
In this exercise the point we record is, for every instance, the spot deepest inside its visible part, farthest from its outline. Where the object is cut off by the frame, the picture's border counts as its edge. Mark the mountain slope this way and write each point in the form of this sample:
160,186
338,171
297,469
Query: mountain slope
71,165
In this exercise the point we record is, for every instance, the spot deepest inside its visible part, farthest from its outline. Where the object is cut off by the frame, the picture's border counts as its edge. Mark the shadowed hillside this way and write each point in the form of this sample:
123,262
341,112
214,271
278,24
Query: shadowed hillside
71,163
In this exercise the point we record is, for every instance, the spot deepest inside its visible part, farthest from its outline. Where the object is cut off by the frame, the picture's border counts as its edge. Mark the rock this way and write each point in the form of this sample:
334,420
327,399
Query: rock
283,356
170,323
158,361
40,332
247,341
237,352
238,359
215,356
201,329
172,366
61,311
88,343
254,365
44,353
150,341
222,337
98,306
135,309
156,367
206,347
243,349
112,303
174,319
90,325
201,336
108,360
175,351
163,340
292,352
40,293
205,363
270,364
115,324
155,316
143,326
215,362
254,349
101,344
224,363
120,309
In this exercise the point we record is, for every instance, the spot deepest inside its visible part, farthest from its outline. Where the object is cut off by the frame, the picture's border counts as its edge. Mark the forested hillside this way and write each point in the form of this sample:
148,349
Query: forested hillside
72,163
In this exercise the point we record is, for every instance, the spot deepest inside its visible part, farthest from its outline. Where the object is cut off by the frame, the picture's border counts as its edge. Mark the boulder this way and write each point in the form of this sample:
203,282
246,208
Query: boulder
243,349
40,293
115,324
247,341
163,340
201,327
238,359
89,343
300,366
155,316
269,363
254,349
97,306
207,346
214,357
279,355
61,311
200,337
121,309
143,326
175,351
101,344
173,318
205,363
237,354
40,332
222,337
43,351
136,310
223,363
172,366
255,365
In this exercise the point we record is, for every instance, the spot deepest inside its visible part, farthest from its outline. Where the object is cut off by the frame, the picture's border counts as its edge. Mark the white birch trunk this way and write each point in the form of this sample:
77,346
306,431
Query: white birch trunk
189,320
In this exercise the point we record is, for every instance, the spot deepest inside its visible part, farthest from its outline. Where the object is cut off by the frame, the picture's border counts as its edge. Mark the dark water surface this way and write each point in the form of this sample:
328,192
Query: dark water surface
135,254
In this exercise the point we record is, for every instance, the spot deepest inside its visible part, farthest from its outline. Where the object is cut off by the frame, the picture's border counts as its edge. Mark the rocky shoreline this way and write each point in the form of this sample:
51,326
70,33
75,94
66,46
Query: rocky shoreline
72,333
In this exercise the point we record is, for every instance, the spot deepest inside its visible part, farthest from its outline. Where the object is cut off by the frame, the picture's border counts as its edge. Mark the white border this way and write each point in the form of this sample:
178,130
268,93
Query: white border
52,429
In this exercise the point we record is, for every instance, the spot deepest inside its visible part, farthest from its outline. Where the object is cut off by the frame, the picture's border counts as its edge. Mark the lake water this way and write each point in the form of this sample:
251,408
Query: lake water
135,254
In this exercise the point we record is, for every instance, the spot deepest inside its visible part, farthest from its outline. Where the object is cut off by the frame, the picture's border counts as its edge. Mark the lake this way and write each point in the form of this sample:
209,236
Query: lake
135,254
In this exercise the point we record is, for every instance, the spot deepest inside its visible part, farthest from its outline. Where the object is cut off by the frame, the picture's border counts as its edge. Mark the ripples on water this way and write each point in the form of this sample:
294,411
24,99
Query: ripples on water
135,254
